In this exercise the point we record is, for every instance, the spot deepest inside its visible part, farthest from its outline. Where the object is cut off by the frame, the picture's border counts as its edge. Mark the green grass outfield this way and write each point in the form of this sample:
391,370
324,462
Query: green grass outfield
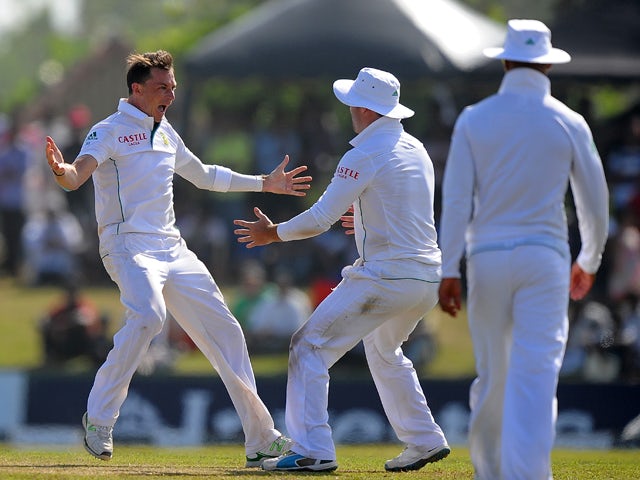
355,462
20,349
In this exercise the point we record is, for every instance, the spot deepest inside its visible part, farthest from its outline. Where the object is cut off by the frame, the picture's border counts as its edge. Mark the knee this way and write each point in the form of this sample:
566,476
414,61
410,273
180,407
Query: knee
297,345
314,357
148,323
375,354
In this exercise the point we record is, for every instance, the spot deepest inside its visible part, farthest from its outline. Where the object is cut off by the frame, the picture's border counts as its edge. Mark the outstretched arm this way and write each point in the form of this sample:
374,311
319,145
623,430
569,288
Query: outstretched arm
287,183
259,233
69,176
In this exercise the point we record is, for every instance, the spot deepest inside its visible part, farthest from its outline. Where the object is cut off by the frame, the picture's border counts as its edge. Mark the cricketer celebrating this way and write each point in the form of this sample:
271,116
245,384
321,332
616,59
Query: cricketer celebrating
388,179
132,156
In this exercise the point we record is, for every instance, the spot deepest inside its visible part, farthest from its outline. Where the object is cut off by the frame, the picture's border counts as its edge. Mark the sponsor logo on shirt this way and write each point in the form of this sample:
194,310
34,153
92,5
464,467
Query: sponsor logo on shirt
165,140
344,172
133,139
92,137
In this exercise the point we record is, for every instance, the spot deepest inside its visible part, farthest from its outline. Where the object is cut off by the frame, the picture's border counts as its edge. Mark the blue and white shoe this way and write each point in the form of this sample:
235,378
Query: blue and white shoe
292,461
279,446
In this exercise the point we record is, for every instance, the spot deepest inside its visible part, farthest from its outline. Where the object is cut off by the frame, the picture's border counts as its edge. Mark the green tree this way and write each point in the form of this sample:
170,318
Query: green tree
35,55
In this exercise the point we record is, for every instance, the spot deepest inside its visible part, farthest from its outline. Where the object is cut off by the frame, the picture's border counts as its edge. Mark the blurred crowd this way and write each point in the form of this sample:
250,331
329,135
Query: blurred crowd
604,341
48,236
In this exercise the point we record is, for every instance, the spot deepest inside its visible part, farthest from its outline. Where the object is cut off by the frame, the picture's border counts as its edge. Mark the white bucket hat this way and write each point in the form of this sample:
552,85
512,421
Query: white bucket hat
528,41
373,89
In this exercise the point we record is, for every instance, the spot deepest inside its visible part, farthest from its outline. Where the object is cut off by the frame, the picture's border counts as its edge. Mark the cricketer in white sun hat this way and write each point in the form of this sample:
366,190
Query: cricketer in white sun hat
373,89
528,41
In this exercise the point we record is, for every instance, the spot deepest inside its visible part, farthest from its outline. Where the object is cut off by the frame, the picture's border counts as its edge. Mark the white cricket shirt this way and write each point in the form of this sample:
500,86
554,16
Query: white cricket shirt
134,178
511,159
388,177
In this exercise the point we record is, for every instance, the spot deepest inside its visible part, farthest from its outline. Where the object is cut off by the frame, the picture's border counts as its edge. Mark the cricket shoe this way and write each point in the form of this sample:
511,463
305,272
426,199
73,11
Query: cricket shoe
414,458
279,446
98,441
292,461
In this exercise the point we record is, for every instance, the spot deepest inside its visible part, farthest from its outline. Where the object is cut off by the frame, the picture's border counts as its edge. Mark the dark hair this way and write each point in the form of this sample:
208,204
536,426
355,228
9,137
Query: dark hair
541,67
140,64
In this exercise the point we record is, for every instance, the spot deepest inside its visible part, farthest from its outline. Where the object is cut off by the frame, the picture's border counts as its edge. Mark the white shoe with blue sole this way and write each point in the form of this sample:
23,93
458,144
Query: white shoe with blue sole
279,446
292,461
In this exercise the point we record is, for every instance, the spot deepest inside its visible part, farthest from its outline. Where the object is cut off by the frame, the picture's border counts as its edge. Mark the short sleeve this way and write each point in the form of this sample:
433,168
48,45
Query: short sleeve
98,143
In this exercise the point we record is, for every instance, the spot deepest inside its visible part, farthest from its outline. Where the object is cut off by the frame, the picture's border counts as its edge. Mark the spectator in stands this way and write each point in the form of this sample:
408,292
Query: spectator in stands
591,352
624,277
13,167
253,289
623,166
53,241
73,328
629,341
276,317
624,287
81,201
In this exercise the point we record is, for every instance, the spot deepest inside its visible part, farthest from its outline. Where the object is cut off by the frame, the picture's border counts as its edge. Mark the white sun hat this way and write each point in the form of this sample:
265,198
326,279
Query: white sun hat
528,41
373,89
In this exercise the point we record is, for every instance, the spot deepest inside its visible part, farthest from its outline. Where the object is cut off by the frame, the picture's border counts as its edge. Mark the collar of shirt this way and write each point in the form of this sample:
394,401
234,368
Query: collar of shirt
525,81
126,108
381,124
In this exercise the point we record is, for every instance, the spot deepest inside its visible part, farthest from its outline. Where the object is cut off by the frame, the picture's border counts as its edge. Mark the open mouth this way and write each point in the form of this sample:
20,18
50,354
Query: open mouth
162,108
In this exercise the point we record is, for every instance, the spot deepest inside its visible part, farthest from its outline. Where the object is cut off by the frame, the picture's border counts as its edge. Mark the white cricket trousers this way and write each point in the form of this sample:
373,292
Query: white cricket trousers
383,313
156,274
517,313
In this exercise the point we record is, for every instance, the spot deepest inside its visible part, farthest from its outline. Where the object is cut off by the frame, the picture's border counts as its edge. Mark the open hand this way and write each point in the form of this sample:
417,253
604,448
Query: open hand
258,233
54,157
287,183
